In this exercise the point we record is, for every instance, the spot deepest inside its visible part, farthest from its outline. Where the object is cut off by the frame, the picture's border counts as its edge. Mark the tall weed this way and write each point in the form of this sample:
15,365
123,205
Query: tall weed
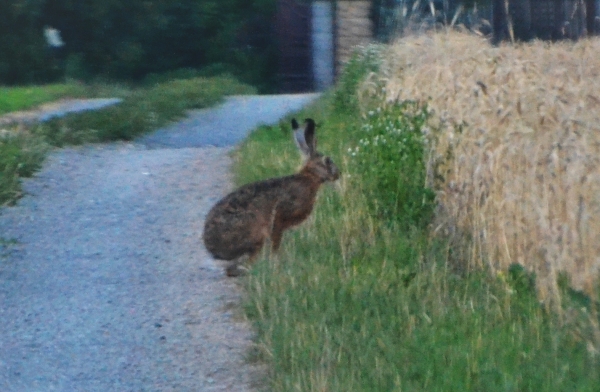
20,156
390,165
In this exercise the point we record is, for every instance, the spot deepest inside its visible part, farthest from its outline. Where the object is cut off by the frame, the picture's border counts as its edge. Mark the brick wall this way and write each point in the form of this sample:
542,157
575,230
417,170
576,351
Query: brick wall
353,27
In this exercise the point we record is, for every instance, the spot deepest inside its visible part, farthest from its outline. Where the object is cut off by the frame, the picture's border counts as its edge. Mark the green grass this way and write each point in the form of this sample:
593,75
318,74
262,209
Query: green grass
360,300
21,154
5,246
142,110
21,98
22,150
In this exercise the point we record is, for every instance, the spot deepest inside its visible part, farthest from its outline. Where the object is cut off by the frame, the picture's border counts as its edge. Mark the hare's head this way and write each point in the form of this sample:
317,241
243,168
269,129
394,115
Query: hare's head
316,163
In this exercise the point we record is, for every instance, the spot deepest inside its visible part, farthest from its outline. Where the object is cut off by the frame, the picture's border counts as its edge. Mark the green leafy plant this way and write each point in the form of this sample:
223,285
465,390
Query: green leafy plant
389,158
364,60
20,156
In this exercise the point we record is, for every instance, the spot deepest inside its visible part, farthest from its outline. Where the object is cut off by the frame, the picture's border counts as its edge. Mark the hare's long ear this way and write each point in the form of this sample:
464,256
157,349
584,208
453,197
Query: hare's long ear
300,139
309,136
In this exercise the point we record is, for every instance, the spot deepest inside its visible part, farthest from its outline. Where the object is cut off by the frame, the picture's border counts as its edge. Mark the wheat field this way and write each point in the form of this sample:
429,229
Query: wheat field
515,135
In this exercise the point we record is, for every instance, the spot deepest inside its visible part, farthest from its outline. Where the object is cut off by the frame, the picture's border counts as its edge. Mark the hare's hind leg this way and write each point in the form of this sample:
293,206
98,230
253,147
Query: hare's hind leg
276,240
235,268
281,224
254,246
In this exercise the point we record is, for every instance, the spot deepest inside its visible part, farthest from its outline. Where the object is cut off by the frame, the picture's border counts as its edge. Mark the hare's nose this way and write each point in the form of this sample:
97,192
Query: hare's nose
335,173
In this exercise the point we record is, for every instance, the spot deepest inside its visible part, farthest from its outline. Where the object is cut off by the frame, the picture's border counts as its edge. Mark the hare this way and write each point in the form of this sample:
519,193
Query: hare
240,223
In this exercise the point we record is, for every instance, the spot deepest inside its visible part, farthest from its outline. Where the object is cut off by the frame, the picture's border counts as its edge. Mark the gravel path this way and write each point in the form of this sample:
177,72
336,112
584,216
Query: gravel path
108,287
217,127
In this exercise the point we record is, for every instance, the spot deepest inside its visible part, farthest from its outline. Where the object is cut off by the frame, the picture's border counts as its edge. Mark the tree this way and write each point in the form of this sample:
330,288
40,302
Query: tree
120,39
22,47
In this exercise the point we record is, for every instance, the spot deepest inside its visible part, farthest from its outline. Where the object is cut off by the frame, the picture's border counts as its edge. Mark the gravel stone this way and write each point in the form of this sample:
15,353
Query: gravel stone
108,287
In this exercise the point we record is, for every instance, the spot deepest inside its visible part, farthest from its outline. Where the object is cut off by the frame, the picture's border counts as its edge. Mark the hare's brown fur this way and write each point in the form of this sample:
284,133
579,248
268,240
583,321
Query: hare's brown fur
240,223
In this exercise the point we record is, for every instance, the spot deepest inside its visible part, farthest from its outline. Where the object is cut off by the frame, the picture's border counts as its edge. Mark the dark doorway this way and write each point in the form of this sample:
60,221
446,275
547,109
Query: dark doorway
293,24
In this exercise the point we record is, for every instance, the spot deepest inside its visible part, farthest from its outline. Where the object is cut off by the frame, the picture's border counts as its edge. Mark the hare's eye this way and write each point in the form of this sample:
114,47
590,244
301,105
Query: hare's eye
328,161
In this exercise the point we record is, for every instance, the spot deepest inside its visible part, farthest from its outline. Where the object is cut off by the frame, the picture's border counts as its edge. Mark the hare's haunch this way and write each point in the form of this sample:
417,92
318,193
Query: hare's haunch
240,223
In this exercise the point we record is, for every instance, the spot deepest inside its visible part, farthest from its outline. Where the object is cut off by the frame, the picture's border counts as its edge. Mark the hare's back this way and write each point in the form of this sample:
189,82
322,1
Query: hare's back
240,222
231,233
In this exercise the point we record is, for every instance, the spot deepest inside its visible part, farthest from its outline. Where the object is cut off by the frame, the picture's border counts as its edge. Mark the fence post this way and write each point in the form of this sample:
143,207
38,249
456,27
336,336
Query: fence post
590,16
499,21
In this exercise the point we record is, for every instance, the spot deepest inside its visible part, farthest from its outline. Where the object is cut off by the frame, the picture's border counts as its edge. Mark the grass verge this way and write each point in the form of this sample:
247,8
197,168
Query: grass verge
363,298
22,149
21,98
141,111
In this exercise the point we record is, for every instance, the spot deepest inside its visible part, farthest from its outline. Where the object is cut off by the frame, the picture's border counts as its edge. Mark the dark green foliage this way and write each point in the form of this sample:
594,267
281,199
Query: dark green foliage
115,39
577,297
22,47
521,281
392,17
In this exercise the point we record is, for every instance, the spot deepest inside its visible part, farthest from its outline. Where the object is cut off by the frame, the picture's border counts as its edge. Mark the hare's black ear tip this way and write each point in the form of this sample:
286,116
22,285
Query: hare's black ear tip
309,122
294,123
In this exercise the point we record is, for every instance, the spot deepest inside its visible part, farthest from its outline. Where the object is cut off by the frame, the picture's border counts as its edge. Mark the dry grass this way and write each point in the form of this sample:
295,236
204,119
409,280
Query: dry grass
518,139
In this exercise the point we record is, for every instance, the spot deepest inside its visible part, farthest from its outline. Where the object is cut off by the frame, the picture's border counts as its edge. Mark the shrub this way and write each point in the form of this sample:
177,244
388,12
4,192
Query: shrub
363,62
389,158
